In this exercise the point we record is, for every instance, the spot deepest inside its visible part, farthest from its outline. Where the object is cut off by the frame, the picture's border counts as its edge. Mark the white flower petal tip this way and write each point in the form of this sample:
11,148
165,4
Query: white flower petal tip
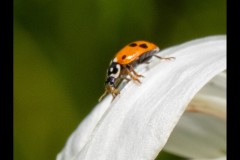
138,122
202,131
211,99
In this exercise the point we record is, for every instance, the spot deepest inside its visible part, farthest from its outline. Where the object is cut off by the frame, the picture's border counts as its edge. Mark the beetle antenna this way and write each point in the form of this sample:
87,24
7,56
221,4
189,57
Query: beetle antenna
102,96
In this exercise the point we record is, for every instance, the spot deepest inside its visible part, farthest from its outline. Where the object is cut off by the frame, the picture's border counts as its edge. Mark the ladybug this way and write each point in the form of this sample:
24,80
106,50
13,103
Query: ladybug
124,62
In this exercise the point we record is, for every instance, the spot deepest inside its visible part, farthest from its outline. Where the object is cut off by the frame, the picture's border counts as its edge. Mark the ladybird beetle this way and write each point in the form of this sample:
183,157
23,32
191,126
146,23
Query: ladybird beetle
124,62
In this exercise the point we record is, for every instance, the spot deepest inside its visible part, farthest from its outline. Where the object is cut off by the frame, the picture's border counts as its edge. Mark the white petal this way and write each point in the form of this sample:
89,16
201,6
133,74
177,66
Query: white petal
220,158
211,99
198,135
137,124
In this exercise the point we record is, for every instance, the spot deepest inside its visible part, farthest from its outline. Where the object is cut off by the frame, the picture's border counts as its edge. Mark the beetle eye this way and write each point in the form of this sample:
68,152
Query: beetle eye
110,80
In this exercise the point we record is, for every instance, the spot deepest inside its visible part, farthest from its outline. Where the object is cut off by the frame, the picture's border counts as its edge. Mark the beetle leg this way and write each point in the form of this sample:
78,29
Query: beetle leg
124,77
166,58
114,92
111,90
135,73
147,62
133,77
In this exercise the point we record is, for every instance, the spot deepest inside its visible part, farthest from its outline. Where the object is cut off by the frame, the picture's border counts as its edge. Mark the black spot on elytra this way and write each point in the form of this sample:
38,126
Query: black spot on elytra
143,45
133,44
124,56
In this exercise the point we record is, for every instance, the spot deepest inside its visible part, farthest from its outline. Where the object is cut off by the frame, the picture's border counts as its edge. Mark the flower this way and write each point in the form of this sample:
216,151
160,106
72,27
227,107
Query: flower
138,122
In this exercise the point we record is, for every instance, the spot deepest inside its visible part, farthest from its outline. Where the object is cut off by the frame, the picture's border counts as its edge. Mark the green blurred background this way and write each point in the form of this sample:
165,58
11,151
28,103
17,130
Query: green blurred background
62,50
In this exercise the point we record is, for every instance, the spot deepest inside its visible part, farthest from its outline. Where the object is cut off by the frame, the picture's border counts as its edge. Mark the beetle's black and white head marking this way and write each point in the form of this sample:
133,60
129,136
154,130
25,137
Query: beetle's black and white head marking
113,72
